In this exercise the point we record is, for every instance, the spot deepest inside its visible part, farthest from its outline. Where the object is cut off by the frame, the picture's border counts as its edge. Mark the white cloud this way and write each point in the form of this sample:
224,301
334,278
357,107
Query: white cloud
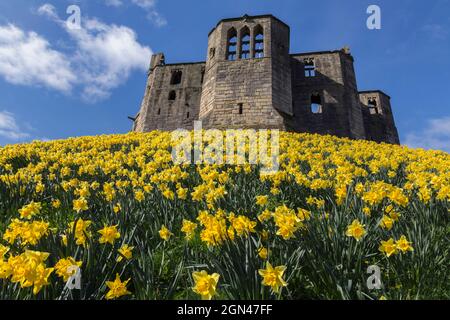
103,57
436,135
9,128
28,59
156,18
113,3
106,55
48,10
146,4
149,6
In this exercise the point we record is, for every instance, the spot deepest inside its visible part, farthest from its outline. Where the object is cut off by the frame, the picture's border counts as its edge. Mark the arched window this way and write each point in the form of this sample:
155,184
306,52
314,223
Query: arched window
232,45
245,43
176,77
172,95
259,42
316,103
373,108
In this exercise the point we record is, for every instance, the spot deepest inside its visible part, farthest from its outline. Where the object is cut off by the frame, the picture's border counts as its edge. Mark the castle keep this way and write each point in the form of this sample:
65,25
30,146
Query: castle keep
251,80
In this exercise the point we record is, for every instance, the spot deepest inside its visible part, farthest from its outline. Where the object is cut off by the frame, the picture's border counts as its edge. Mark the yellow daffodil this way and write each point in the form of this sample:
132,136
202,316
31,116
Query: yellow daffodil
30,210
109,234
189,229
273,277
387,222
388,247
125,251
356,230
3,251
139,196
67,267
117,288
264,216
165,233
80,205
263,253
81,231
56,203
205,284
261,200
367,211
403,244
242,225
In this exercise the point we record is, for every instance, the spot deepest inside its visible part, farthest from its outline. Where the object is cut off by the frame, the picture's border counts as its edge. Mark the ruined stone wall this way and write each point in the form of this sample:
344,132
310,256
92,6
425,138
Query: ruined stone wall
268,92
158,111
335,83
379,124
351,97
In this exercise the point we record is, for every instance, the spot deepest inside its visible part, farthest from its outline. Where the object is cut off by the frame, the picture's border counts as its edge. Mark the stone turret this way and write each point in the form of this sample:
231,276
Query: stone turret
248,77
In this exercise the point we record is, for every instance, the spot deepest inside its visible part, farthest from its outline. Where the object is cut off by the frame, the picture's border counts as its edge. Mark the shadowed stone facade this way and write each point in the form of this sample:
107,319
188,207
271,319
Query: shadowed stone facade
251,80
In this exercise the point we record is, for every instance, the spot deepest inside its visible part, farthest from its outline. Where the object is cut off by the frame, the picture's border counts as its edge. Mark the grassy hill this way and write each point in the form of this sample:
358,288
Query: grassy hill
139,227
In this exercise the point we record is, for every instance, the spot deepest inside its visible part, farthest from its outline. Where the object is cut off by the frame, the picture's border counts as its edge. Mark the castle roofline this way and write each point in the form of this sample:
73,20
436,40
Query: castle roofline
246,16
341,51
374,91
315,52
182,63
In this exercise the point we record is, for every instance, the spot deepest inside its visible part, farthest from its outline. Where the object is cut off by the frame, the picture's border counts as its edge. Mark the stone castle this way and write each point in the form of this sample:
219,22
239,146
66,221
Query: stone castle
250,80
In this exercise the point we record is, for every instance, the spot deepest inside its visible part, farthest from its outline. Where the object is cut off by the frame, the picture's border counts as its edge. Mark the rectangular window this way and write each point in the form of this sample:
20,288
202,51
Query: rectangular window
310,68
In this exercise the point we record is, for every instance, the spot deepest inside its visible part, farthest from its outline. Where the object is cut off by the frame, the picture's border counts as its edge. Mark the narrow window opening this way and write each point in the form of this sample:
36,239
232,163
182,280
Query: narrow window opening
212,53
241,108
176,77
316,103
245,44
159,111
232,45
172,95
259,43
373,108
187,115
310,68
203,75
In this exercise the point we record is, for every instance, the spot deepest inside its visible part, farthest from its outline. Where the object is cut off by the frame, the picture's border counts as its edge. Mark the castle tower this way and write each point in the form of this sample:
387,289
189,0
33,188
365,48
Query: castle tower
247,80
325,94
378,117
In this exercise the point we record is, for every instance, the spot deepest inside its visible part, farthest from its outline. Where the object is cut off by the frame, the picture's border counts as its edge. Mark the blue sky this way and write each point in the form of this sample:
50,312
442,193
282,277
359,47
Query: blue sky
57,83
